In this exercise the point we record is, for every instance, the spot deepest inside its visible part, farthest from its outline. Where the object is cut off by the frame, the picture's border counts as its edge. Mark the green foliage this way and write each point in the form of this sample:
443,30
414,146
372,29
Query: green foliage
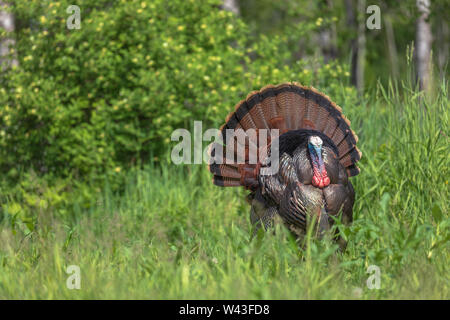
85,105
172,234
384,57
86,109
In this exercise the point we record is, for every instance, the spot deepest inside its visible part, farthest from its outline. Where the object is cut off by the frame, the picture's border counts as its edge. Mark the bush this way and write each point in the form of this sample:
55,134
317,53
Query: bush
88,103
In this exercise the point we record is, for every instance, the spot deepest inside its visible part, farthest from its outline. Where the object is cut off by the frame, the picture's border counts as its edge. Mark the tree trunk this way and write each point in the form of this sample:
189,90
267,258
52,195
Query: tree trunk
358,43
351,23
7,23
231,5
392,48
423,45
443,48
327,39
361,46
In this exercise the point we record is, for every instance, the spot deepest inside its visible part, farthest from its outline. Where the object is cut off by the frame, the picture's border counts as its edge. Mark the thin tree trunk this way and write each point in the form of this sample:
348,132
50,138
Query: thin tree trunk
7,23
333,32
357,44
443,35
327,39
423,45
351,23
361,55
392,48
231,5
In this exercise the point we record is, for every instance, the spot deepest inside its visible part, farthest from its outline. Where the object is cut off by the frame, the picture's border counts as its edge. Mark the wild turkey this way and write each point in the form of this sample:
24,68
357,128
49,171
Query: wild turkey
317,154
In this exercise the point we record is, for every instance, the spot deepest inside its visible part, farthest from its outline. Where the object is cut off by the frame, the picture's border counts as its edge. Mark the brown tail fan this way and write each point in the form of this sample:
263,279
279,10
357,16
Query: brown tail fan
288,106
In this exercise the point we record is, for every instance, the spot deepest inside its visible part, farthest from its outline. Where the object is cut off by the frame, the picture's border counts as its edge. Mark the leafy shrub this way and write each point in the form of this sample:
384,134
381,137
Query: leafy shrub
92,102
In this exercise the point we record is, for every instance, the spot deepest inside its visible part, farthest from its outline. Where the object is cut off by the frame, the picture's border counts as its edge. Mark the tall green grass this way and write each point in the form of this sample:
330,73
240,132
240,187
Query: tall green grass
172,234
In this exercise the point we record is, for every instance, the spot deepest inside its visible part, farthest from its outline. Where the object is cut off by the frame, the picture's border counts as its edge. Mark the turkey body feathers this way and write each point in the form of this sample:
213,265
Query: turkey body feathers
292,192
297,200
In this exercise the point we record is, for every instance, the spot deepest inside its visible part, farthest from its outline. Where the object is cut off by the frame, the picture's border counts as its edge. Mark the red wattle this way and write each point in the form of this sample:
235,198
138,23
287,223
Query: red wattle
320,178
321,184
320,181
315,181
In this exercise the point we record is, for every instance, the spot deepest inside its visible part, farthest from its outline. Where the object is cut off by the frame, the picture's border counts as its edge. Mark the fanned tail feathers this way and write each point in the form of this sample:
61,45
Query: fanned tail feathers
288,106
